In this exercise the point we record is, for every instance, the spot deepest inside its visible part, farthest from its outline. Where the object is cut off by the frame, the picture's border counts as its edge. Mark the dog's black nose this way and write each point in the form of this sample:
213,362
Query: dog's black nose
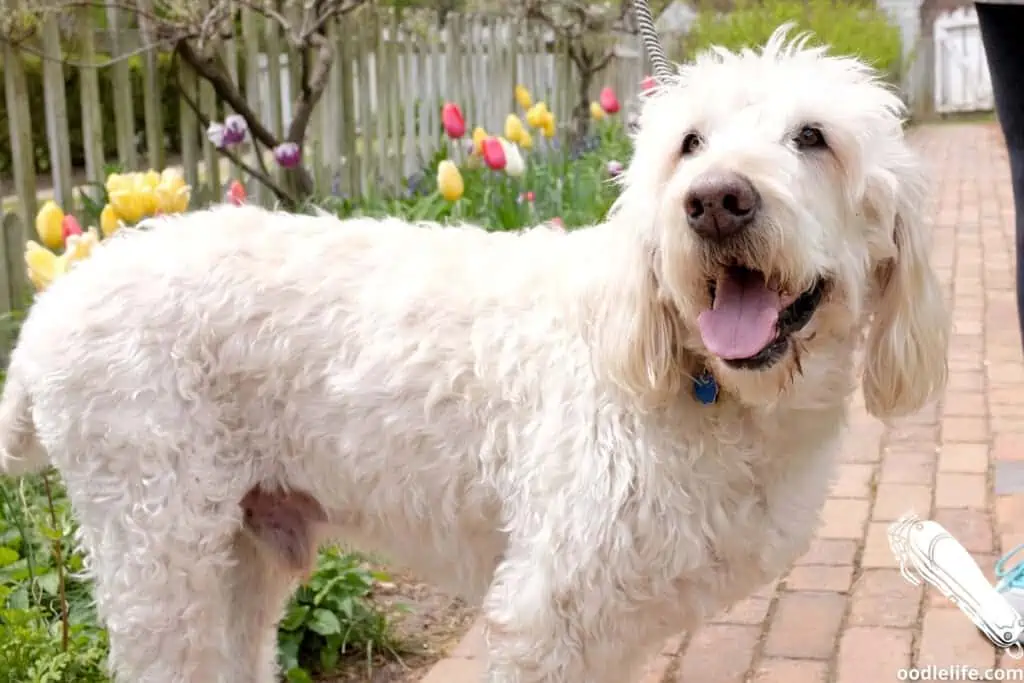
720,204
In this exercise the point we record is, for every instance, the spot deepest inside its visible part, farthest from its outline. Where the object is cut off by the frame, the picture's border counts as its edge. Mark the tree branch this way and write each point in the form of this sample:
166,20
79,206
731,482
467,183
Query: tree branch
603,63
261,176
225,88
311,89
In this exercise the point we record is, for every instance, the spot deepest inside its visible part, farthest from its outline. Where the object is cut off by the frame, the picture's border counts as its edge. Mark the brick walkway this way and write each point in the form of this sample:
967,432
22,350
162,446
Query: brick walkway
844,614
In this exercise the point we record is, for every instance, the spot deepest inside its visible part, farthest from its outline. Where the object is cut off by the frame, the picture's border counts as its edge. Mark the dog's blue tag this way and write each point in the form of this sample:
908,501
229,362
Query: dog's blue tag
705,388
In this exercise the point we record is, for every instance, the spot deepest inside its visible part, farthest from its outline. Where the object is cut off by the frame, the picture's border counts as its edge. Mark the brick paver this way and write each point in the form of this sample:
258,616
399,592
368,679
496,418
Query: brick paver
844,614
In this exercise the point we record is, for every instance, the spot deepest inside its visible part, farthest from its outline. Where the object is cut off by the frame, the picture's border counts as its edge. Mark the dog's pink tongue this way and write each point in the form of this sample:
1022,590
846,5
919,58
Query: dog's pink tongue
742,321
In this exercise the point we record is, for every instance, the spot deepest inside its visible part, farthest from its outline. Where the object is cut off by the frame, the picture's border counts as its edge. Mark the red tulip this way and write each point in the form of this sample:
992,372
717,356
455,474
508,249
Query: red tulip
609,102
648,83
236,193
70,226
454,123
494,154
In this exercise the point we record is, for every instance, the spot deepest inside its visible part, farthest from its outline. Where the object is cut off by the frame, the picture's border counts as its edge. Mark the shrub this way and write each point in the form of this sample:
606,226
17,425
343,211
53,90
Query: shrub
330,617
30,652
856,28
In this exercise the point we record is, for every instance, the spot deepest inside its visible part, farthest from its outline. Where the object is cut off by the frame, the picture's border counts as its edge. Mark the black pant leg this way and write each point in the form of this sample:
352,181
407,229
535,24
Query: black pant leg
1001,27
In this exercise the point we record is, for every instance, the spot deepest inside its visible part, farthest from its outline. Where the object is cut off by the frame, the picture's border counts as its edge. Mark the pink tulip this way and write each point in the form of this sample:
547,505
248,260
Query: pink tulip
608,101
494,154
236,193
648,83
452,120
70,226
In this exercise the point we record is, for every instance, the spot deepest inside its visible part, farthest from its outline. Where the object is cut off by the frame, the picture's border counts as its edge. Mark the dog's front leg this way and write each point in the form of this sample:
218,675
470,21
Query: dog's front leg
547,626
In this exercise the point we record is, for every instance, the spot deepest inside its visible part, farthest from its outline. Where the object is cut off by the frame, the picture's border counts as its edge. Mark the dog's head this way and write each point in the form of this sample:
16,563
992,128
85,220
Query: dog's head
774,206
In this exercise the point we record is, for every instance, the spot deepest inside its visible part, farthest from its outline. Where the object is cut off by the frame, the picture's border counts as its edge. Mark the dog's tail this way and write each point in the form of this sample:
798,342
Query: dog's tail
20,451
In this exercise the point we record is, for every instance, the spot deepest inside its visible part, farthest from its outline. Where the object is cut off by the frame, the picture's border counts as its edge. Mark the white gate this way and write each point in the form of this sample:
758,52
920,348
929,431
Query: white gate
962,83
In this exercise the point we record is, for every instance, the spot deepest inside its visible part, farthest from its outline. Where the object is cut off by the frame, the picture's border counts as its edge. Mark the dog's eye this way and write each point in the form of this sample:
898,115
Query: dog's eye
809,137
691,144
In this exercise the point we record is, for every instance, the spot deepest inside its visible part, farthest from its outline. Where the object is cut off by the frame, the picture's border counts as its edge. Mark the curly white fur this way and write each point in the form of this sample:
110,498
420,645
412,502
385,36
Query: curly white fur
511,415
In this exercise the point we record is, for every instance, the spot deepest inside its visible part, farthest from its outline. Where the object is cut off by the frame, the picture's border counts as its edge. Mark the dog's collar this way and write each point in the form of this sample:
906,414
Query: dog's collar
705,387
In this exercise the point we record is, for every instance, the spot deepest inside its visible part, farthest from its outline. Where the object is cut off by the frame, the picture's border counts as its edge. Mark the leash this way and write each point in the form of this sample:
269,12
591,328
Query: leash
652,45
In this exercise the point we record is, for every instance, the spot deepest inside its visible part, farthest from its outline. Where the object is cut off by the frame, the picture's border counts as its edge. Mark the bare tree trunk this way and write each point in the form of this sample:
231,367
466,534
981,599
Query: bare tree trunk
581,112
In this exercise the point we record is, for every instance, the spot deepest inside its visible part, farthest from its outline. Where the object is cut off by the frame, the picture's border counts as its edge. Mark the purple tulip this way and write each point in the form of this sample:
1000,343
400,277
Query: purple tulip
288,155
614,169
216,134
235,129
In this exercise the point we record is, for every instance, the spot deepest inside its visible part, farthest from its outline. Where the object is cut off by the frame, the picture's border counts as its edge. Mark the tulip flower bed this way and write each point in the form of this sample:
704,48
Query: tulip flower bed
522,176
344,620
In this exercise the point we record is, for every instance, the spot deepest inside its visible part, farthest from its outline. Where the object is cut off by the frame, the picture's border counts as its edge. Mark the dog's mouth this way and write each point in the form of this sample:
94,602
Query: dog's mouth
750,323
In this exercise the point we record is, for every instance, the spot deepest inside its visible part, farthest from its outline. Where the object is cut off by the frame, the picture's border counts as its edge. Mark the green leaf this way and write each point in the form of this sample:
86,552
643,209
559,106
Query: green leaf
295,617
347,607
329,659
8,556
299,675
49,583
324,622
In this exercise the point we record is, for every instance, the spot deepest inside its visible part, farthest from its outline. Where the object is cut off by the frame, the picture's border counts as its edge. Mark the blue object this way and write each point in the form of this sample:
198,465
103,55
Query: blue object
1011,581
705,389
1010,578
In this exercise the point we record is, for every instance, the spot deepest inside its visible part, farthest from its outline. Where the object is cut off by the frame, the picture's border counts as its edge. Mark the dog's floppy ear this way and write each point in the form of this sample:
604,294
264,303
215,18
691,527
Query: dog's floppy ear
636,332
905,361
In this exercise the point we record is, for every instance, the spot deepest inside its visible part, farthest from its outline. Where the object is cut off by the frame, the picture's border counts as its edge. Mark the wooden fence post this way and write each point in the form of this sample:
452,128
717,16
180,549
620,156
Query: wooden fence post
19,126
57,116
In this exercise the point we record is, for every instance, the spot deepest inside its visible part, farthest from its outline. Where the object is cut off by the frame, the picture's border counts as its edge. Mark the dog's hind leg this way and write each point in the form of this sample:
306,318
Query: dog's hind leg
260,588
161,571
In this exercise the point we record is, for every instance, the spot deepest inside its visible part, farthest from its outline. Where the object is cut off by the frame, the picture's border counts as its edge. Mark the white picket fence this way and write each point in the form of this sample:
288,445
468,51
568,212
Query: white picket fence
962,82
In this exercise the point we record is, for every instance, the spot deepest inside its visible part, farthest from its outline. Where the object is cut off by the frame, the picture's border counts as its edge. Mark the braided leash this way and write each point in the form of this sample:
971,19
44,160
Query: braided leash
649,35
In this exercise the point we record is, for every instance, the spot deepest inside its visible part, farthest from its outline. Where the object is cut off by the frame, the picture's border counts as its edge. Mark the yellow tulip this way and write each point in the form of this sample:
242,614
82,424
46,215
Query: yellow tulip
172,177
449,180
548,129
534,115
80,247
183,197
41,265
150,178
49,225
596,112
170,199
117,182
523,98
129,205
146,193
526,141
479,135
109,220
173,194
514,130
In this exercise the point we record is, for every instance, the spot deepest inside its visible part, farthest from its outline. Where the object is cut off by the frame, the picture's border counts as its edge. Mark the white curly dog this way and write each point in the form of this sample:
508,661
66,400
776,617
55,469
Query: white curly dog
605,436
